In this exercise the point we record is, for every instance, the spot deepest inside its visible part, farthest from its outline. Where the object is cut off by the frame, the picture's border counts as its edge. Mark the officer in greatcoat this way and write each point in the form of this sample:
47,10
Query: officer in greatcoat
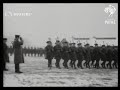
18,53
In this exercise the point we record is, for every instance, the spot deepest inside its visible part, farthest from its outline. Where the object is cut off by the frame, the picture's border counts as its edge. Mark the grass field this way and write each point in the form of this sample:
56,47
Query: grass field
36,74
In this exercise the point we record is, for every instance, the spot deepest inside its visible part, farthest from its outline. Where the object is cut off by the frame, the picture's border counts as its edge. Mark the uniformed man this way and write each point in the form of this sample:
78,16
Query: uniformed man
6,57
88,56
73,55
65,54
80,55
18,53
96,53
49,50
57,53
92,56
115,57
103,56
70,57
109,56
85,55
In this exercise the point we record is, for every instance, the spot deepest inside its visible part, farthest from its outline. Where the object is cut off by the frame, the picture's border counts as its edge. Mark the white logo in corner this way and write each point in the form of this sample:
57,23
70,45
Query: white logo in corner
110,10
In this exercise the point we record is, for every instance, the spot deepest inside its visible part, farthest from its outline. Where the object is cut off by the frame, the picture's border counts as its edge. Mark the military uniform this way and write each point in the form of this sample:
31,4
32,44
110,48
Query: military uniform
80,53
103,55
109,56
5,53
73,56
70,57
115,57
88,56
65,55
96,53
49,54
18,53
92,56
57,54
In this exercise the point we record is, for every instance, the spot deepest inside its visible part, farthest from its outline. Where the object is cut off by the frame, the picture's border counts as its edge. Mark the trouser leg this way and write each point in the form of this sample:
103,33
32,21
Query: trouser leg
110,64
103,64
114,64
57,62
89,63
71,63
49,62
92,64
66,63
74,64
97,63
85,63
78,64
17,69
81,64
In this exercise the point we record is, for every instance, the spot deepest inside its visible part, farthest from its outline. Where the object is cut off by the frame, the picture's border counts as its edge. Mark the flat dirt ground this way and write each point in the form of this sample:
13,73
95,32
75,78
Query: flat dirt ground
36,74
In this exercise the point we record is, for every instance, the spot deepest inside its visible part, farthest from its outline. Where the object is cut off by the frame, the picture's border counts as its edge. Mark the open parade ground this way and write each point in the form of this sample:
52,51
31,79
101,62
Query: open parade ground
36,74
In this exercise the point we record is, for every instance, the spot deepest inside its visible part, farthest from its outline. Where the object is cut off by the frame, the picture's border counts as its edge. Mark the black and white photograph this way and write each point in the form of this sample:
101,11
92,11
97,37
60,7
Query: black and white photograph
60,45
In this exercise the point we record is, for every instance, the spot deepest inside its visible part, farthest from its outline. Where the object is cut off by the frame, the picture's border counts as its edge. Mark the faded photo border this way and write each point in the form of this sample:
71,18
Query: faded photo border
1,37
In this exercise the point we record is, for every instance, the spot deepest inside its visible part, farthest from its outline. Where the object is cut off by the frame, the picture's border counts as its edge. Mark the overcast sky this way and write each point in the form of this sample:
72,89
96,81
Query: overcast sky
62,20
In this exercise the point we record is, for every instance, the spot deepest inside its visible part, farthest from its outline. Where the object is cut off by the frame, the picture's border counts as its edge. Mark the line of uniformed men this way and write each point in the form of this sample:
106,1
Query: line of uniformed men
68,51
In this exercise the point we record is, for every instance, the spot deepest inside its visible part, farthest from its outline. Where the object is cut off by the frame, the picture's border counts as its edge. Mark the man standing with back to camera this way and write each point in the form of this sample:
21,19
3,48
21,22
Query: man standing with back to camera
18,54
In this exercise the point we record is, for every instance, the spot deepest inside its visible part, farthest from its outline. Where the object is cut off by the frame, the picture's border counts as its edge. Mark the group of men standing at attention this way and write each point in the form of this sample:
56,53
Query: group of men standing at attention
68,51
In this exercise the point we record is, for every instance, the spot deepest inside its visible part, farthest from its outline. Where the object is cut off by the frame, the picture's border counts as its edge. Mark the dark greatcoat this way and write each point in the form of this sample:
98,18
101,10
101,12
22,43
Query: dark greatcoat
88,55
96,53
109,54
72,53
103,54
91,53
57,52
65,53
49,52
18,54
80,53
